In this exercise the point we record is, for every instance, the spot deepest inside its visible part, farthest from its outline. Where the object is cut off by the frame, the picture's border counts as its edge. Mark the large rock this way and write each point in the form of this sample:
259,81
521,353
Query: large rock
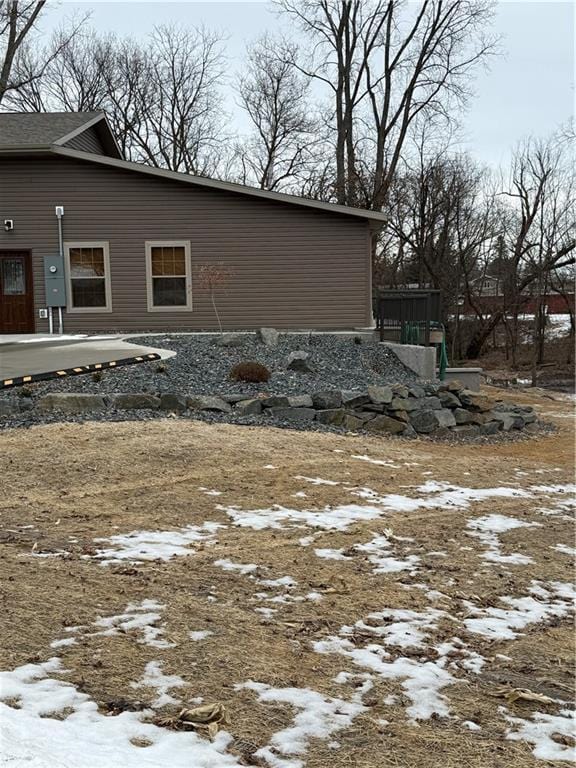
354,398
400,390
71,402
490,428
334,416
230,340
445,417
299,361
128,401
208,403
300,401
474,401
416,391
327,399
275,401
381,395
174,403
234,398
507,421
268,336
449,400
249,407
466,430
462,416
429,420
423,422
292,414
432,403
385,424
353,422
403,404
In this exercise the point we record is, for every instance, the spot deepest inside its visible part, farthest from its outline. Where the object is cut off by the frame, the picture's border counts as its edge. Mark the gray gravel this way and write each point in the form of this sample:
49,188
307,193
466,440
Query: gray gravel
202,367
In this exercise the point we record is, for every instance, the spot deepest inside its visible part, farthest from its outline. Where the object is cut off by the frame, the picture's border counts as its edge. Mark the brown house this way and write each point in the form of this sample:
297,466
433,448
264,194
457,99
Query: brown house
133,239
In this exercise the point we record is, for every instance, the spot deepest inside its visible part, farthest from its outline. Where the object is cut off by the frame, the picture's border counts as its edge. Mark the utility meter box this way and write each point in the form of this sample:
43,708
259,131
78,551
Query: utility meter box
54,281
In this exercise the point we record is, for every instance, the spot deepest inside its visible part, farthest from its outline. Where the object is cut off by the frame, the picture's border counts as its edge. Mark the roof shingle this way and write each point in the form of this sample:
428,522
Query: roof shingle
36,129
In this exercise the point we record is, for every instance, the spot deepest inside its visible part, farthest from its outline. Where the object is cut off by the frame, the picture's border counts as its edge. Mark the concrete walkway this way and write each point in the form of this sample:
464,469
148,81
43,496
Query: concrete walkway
34,355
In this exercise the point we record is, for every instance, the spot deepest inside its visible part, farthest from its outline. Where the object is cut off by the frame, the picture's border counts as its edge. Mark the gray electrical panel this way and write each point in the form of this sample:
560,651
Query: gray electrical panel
55,281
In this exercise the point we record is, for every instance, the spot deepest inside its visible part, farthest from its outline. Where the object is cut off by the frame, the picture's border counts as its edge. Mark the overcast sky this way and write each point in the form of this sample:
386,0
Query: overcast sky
530,90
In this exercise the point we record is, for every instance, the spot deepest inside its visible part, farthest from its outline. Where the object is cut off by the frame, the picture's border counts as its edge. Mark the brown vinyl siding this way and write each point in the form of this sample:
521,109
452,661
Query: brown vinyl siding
87,141
293,267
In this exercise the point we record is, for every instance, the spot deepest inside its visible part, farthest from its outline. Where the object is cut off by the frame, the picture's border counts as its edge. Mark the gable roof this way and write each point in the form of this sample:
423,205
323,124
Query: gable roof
30,132
43,130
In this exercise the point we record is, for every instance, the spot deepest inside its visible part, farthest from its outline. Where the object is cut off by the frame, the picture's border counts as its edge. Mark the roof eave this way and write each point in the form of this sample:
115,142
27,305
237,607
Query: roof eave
374,217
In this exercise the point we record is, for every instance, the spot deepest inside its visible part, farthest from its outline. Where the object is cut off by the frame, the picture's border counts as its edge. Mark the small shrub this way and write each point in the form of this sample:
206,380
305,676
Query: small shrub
160,368
97,376
24,392
250,371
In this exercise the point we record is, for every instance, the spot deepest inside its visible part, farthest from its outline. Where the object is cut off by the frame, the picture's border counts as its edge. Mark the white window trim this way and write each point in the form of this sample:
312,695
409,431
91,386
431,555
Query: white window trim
107,283
149,293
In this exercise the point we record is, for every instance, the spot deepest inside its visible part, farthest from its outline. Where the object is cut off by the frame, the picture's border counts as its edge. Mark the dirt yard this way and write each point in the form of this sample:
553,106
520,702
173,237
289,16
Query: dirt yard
349,601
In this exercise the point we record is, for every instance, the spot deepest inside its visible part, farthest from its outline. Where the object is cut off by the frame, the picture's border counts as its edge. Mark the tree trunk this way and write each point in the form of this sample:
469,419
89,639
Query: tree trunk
476,343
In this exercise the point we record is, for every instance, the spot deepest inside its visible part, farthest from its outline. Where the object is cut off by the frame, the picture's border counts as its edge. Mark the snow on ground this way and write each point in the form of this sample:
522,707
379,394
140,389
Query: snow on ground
138,617
155,678
507,623
539,732
571,551
436,495
403,628
330,518
318,718
54,724
487,528
139,546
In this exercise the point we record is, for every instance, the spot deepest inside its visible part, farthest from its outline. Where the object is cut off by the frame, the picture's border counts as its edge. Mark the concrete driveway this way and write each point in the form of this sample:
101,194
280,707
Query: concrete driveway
38,356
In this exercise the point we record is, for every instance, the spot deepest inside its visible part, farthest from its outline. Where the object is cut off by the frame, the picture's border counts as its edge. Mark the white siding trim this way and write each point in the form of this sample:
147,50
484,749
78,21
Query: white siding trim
149,244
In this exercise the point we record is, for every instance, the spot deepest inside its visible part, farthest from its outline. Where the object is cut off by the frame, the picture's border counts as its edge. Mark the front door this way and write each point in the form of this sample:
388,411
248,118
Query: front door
16,293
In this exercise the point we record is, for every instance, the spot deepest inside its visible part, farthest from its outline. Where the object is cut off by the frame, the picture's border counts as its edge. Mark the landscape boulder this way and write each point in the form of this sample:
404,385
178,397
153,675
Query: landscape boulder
71,402
299,361
354,398
268,336
229,340
208,403
381,395
449,399
333,416
327,399
385,424
172,402
474,401
275,401
249,407
300,401
292,414
133,401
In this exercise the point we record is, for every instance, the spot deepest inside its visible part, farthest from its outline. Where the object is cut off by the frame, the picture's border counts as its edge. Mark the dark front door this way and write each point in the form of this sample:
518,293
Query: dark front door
16,293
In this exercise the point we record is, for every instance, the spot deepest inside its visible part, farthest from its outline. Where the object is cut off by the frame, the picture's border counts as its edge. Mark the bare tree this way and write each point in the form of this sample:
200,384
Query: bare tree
212,278
22,60
275,97
540,236
386,65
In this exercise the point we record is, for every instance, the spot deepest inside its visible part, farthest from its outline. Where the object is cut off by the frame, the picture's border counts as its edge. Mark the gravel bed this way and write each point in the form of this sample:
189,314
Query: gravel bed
203,367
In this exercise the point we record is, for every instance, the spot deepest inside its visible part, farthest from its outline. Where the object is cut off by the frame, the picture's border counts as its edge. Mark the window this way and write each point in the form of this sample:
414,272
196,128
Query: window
88,272
169,282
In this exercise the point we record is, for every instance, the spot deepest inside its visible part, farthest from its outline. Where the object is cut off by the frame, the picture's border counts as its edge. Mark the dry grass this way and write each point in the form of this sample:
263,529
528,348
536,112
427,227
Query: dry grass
99,479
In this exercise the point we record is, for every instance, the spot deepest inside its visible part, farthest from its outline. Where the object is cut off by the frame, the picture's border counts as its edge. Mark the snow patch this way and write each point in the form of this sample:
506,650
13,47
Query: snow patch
487,528
154,678
41,733
139,546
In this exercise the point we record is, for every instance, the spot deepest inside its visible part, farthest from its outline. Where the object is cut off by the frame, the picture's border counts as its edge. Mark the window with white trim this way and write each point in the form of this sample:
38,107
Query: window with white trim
88,276
168,276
